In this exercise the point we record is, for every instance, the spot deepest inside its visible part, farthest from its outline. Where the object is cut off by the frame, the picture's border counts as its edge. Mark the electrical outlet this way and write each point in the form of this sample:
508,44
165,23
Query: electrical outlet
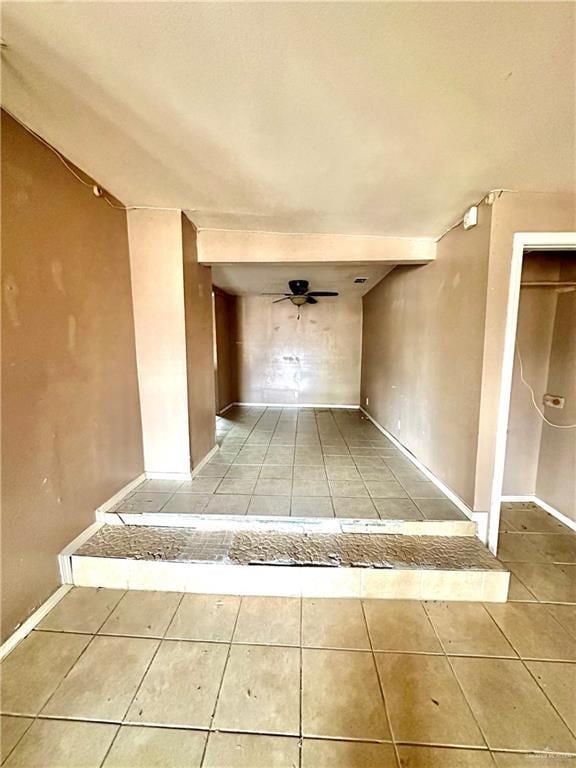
553,401
367,401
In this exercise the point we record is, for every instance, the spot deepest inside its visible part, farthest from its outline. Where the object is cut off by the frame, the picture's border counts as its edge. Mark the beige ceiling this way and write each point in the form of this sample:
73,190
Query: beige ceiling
247,279
355,118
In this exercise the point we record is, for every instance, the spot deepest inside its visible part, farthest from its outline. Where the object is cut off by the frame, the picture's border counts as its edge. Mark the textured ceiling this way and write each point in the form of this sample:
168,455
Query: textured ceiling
376,118
245,279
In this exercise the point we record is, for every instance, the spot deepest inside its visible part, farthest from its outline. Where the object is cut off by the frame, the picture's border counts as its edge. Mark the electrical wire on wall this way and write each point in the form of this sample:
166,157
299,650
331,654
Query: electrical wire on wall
97,190
534,403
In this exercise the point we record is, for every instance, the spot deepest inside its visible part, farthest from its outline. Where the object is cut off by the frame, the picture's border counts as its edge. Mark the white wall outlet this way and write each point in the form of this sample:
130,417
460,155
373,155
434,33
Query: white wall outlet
471,217
553,401
367,401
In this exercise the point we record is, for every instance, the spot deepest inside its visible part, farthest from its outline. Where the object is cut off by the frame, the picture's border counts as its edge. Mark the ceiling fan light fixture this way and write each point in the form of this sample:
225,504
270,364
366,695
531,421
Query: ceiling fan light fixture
298,300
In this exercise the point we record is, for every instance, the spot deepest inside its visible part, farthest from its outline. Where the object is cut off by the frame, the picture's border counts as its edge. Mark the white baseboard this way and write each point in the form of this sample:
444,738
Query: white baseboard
64,556
568,522
205,460
480,518
299,405
222,411
32,621
182,476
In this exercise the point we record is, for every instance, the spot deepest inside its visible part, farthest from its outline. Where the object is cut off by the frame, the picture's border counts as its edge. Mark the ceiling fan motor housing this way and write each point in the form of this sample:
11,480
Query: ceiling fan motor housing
298,287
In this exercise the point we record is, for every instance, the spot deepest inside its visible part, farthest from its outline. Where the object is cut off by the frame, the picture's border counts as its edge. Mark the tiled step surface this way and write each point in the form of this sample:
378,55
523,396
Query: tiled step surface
288,564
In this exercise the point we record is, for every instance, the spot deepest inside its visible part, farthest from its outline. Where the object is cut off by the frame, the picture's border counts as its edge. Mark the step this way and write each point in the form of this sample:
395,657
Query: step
281,524
369,565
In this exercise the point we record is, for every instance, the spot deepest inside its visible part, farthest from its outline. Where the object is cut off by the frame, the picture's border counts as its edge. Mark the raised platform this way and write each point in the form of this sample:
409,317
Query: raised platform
253,562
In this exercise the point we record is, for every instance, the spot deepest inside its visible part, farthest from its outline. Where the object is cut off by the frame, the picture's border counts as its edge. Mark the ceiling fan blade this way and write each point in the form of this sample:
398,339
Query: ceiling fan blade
323,293
275,294
311,300
284,299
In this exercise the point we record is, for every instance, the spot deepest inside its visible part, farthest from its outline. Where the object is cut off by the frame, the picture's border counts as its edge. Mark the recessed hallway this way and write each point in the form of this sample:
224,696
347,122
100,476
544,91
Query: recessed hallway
123,679
304,463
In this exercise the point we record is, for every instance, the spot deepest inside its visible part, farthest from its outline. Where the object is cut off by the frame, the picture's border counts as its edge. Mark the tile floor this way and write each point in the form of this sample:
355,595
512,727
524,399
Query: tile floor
300,463
117,679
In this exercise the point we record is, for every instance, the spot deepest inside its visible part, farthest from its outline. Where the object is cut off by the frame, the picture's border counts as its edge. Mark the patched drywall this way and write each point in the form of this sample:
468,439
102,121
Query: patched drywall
422,350
315,359
71,432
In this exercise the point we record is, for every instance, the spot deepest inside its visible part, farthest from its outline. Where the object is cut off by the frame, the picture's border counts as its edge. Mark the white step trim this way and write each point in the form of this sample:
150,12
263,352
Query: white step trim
567,521
480,518
64,556
32,621
122,493
299,405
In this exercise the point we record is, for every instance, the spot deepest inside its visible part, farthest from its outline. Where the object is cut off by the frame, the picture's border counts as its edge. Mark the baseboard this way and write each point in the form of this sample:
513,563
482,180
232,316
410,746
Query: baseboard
222,411
299,405
128,488
32,621
560,516
480,518
182,476
205,460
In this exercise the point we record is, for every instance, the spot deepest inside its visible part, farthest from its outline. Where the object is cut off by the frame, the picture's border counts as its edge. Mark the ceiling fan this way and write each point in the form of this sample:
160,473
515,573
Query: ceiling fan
300,294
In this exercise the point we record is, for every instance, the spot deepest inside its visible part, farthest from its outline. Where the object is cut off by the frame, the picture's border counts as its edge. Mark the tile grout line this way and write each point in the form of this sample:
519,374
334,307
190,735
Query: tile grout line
217,698
380,686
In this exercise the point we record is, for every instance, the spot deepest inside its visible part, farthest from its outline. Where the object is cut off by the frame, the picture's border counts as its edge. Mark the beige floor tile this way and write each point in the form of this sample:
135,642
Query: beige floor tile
398,509
400,625
236,485
534,520
425,702
565,615
310,487
276,472
348,488
205,617
556,583
274,487
213,470
188,503
313,472
277,506
444,757
532,760
439,509
32,671
181,685
83,609
518,591
200,485
11,731
422,489
341,695
242,750
467,628
554,547
233,504
510,707
244,472
354,508
377,474
311,506
558,681
103,681
334,623
519,548
318,753
168,486
136,747
142,613
58,743
268,620
343,473
533,631
260,690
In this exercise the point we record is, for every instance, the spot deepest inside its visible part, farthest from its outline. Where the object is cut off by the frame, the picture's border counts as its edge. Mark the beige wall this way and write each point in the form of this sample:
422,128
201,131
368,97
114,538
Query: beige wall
158,291
199,348
312,360
556,480
524,212
226,358
536,315
70,411
422,354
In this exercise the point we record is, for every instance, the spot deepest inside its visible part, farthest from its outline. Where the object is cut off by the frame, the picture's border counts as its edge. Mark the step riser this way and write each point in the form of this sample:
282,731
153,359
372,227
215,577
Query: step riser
290,581
292,525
